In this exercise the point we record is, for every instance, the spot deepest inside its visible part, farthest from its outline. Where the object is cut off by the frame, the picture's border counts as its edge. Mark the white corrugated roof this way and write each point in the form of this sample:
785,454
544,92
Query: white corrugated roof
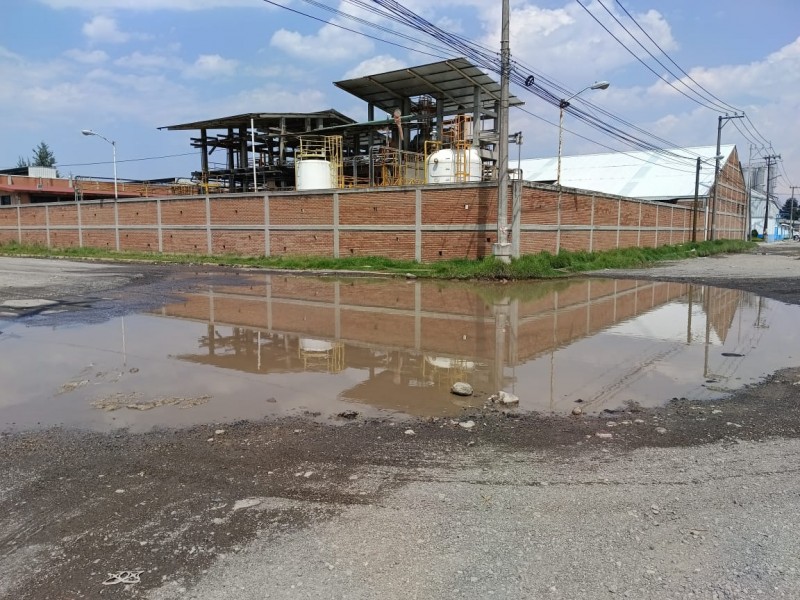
646,175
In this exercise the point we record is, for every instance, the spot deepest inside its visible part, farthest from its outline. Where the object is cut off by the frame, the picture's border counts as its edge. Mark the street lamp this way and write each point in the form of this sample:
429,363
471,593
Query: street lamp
114,151
597,85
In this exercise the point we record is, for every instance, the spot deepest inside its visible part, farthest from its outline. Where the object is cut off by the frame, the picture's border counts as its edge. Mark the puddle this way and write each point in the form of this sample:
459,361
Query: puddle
280,346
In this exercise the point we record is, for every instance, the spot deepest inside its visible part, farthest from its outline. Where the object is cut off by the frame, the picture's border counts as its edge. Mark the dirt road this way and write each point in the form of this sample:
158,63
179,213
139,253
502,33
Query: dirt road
689,501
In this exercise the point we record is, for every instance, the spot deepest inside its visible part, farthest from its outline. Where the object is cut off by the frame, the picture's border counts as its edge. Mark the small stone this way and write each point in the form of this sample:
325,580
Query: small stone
409,432
353,477
611,424
505,398
467,424
577,411
219,432
461,389
661,430
410,276
638,421
716,411
737,425
308,474
348,414
119,491
603,435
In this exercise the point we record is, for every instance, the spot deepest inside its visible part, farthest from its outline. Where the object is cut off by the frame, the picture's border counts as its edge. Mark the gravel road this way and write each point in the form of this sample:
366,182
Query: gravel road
687,501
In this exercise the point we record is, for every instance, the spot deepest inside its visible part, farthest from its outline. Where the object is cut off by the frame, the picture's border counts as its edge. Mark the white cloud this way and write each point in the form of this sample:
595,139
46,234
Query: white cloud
273,98
104,29
150,5
140,61
329,44
377,64
88,57
210,65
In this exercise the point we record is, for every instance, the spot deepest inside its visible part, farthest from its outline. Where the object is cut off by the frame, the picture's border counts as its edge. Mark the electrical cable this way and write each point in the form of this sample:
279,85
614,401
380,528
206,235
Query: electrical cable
127,160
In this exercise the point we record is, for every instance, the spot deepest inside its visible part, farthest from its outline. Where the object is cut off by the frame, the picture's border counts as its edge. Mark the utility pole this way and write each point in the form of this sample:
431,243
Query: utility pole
502,249
766,204
791,208
696,194
720,124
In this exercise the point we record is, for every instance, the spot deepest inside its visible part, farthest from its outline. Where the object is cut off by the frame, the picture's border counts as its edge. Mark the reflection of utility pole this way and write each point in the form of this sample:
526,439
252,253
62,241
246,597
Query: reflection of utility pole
760,324
501,309
707,309
689,320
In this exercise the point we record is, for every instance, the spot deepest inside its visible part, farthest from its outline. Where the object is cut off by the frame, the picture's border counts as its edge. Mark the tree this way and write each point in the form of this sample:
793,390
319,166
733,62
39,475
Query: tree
790,210
42,157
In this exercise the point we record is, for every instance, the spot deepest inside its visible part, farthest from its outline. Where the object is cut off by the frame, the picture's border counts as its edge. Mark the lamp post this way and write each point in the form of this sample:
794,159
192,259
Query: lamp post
597,85
114,154
721,122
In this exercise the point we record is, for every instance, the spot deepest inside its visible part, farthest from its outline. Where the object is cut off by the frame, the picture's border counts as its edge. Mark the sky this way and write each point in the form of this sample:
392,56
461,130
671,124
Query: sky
124,68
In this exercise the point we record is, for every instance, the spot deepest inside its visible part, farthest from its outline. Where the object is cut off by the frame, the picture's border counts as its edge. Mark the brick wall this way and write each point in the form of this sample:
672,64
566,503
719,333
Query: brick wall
425,223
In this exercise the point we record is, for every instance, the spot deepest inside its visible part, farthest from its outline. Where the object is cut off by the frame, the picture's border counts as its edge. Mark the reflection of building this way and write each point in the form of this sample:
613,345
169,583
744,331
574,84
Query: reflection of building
411,340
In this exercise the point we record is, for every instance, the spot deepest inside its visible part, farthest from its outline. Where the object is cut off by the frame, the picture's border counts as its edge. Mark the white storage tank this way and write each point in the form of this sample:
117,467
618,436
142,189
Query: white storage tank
313,174
454,166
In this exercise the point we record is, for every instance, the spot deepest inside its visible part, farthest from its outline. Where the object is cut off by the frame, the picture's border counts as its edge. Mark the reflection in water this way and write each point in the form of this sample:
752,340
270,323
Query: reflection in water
277,345
602,342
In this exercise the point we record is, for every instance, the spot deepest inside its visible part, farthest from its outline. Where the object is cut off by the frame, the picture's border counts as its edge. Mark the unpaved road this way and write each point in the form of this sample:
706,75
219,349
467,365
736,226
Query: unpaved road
688,501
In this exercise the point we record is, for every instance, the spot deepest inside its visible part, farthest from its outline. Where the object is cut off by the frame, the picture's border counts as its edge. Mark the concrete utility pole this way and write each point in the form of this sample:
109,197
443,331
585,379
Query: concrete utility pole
502,249
696,194
766,204
720,124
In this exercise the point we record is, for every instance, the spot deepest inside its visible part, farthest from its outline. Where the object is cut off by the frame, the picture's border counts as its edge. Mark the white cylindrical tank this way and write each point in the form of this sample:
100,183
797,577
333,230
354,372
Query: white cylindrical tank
452,166
313,174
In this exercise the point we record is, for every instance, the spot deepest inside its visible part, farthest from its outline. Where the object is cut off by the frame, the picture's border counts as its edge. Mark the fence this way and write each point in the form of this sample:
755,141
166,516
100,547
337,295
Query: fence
423,223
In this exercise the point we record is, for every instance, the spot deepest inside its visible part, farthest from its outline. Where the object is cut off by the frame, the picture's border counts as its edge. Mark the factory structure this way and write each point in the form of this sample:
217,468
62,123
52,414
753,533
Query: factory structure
435,123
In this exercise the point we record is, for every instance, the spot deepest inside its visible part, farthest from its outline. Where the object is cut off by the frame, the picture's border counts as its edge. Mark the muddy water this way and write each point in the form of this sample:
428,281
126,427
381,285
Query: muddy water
277,346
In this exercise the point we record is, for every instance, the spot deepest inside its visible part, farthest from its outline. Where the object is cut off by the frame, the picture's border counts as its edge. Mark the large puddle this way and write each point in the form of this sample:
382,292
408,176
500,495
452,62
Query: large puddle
278,346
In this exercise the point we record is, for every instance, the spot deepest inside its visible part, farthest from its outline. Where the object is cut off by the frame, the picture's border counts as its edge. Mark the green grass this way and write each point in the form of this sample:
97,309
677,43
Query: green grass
534,266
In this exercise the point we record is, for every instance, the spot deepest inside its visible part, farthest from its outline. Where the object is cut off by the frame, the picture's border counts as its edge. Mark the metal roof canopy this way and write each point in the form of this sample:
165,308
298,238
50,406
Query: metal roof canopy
295,122
451,81
649,175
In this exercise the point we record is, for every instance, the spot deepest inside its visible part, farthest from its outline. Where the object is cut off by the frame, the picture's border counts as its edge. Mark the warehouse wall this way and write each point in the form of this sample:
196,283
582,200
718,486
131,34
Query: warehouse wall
424,223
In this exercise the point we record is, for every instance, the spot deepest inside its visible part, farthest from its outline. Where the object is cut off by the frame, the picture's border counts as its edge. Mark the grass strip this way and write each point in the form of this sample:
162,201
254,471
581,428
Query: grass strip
532,266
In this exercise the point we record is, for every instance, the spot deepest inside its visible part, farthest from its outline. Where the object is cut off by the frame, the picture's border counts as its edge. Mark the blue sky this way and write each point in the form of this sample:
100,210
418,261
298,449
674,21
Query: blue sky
125,67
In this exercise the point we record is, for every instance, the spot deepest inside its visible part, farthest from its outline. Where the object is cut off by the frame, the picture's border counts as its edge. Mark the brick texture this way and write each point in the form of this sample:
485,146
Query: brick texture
457,221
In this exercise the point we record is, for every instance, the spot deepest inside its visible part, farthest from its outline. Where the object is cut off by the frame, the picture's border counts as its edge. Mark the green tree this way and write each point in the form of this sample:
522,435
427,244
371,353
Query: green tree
790,210
43,156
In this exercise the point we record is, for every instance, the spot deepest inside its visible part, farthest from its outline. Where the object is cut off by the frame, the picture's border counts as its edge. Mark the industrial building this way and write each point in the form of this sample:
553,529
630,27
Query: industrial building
440,126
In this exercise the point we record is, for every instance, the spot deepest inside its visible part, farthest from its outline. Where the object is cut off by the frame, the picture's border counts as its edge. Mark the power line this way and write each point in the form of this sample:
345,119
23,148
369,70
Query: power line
731,107
127,160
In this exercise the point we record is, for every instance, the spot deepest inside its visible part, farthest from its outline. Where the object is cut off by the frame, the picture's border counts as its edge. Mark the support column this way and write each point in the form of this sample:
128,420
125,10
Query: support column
159,226
336,225
267,248
418,225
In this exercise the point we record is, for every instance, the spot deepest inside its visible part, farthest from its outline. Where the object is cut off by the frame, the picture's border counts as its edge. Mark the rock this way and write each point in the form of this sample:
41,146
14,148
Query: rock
410,276
505,398
467,424
461,389
577,411
348,414
661,430
409,432
611,424
603,435
219,432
